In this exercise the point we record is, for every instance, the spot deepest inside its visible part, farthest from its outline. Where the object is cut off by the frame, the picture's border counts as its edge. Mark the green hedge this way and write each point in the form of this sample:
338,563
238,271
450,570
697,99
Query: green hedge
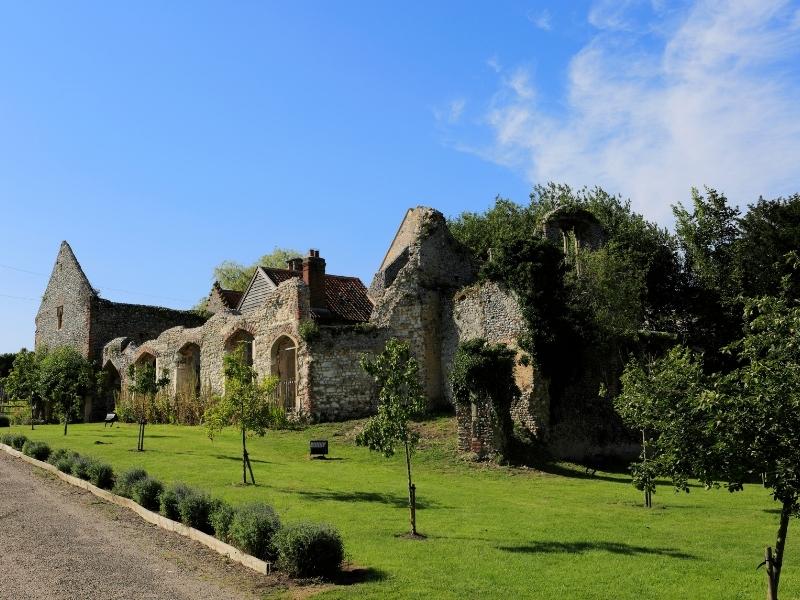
101,474
5,421
309,550
123,486
37,450
252,528
147,492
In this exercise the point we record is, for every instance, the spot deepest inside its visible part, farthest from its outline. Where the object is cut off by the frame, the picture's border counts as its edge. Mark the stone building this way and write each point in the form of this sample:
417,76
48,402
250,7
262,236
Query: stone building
310,329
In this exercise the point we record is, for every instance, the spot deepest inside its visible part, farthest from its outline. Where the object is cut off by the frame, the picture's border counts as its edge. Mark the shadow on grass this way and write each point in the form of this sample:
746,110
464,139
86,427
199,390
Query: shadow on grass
581,547
238,458
352,575
579,472
389,499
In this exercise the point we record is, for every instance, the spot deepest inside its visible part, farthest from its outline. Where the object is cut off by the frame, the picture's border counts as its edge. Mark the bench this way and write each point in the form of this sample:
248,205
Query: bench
318,448
110,418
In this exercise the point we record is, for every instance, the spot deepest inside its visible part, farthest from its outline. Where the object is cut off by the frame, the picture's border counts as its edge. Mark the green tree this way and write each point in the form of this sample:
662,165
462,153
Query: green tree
249,404
22,382
145,386
769,231
733,426
400,399
65,379
232,275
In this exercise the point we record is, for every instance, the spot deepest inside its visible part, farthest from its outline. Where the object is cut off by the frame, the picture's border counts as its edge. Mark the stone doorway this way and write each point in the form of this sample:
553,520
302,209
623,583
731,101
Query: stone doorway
284,366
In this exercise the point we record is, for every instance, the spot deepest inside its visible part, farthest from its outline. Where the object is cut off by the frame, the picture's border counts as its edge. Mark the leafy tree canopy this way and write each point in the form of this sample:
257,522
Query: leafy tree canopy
65,379
735,427
235,276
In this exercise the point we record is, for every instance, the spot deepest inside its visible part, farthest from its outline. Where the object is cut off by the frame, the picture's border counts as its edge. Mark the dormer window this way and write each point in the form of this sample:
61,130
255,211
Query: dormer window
60,315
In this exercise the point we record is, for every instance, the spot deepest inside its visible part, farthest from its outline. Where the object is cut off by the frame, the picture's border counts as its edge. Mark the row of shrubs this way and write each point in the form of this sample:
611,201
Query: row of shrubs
300,549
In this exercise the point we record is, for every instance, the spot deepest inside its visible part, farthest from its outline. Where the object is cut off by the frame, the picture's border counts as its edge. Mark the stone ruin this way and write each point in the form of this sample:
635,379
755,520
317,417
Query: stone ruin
310,329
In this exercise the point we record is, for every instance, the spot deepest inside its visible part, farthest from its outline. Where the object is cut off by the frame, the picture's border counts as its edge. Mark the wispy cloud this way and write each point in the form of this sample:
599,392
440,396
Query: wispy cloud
712,102
494,64
451,112
541,20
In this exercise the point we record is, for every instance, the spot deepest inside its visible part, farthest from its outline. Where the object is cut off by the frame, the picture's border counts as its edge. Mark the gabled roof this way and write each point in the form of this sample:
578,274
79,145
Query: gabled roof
230,297
220,298
346,297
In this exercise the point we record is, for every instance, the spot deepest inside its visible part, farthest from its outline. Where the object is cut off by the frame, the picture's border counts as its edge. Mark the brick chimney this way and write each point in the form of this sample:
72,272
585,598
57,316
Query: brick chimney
314,276
295,264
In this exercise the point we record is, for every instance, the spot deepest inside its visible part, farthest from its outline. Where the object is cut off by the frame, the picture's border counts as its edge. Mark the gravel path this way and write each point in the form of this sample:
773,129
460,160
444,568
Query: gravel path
60,542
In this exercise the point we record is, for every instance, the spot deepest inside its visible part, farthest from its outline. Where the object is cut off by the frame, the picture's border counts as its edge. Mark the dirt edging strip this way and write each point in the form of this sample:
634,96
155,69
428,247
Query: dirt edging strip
209,541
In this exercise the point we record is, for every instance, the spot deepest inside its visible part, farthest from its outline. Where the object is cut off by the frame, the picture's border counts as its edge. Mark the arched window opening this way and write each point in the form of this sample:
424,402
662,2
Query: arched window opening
146,363
187,372
112,386
241,339
284,366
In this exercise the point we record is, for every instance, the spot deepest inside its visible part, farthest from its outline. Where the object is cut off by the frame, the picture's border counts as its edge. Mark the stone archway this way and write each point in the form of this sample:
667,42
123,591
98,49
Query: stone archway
187,371
283,358
112,386
241,338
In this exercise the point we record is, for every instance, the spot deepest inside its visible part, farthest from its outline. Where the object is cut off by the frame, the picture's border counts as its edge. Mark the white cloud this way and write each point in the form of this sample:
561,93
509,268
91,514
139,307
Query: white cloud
451,112
494,64
715,104
541,20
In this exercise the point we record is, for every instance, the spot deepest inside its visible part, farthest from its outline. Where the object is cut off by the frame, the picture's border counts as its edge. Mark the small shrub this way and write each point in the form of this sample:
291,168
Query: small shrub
147,492
309,550
65,461
101,474
195,509
170,498
55,455
123,486
220,519
5,421
252,529
37,450
80,467
6,438
17,441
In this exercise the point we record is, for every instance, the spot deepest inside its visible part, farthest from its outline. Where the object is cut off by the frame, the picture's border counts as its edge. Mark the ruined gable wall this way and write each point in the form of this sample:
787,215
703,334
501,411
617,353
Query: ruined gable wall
410,306
489,310
67,288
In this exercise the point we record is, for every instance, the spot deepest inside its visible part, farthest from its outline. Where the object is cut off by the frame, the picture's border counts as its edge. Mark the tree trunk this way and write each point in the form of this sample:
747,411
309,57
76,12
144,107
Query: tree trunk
412,492
769,563
780,543
244,458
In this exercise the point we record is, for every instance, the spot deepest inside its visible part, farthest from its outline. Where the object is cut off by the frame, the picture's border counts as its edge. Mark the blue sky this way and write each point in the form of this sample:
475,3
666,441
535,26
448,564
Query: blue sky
162,138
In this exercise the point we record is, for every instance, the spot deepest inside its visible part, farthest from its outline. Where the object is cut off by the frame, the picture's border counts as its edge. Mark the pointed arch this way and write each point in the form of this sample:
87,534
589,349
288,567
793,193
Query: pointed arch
187,370
283,361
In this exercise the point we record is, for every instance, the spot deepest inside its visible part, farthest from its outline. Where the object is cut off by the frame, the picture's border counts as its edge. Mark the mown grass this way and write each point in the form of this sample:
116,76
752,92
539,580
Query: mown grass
491,532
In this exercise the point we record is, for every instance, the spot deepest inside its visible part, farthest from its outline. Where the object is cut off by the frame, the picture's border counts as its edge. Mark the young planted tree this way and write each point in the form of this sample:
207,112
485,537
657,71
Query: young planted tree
65,379
248,403
734,428
400,399
144,385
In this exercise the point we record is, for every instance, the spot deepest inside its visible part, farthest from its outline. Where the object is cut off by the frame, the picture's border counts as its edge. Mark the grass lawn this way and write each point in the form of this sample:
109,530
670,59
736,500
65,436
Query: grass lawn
491,532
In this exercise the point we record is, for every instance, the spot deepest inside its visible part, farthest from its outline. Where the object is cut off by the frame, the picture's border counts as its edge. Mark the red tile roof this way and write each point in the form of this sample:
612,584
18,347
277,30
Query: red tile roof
346,297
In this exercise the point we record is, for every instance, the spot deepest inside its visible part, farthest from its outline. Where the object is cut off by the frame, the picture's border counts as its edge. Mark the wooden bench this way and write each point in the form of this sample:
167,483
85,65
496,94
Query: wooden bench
110,418
318,448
